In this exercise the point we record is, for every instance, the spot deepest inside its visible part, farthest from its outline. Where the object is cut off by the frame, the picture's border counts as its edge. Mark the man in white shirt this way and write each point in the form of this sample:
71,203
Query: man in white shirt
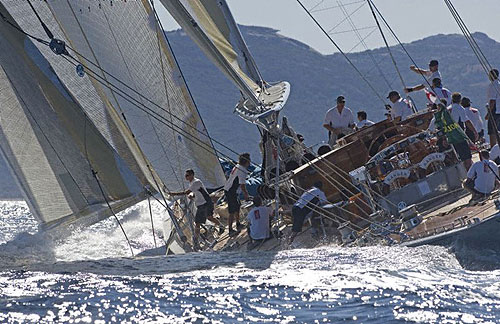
459,114
258,220
400,108
495,154
203,202
493,95
339,121
475,117
363,122
430,74
482,177
306,204
435,94
236,180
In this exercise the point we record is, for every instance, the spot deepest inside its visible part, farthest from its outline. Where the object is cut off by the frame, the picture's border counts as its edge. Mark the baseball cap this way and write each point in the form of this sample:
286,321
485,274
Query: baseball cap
433,63
392,94
340,99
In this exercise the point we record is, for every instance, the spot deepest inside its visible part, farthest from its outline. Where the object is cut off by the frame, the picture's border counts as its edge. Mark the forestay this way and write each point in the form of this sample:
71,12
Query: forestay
51,146
122,43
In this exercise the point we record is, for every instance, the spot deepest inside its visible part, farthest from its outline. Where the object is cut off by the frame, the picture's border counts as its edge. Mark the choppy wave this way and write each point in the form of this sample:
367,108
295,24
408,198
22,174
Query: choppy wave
90,277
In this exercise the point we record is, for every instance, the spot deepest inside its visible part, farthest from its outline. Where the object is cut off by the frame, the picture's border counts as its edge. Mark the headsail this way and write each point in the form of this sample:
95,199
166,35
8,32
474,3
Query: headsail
121,43
51,145
211,25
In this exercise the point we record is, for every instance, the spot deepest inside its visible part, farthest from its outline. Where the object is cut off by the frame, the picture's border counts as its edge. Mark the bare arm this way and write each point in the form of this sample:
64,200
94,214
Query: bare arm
329,128
470,126
418,70
244,190
415,88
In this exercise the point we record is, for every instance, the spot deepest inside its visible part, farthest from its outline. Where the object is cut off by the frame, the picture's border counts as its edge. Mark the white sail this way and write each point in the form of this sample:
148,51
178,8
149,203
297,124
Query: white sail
51,146
212,27
122,40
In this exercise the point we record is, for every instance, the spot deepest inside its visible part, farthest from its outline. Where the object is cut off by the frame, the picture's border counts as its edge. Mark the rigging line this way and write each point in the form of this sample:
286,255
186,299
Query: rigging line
180,181
145,98
161,144
97,64
472,42
22,31
343,20
94,174
316,5
333,7
477,51
342,209
399,42
321,210
362,40
124,94
332,167
469,33
352,30
157,116
112,211
386,44
45,28
151,217
342,52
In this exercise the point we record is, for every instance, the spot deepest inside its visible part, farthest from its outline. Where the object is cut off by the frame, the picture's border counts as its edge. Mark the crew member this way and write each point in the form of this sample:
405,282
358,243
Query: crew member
495,154
431,73
363,122
460,116
258,220
307,203
435,94
236,180
400,108
493,95
203,202
455,135
482,177
475,117
339,121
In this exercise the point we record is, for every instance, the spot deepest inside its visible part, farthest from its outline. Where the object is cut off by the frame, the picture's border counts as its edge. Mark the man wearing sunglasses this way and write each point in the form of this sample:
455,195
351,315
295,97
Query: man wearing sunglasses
339,121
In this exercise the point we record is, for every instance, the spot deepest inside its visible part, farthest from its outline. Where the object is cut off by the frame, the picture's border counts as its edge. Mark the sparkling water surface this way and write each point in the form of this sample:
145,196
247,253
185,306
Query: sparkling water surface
89,277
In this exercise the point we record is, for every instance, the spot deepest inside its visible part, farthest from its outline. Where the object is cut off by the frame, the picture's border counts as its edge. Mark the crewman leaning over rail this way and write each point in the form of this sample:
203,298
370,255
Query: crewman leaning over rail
307,204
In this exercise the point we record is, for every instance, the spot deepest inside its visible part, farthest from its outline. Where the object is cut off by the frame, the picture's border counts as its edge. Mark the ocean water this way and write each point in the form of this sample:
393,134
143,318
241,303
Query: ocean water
89,277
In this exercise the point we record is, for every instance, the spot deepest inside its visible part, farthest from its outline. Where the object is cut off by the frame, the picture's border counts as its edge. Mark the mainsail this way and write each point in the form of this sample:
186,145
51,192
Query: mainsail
52,147
135,86
212,27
